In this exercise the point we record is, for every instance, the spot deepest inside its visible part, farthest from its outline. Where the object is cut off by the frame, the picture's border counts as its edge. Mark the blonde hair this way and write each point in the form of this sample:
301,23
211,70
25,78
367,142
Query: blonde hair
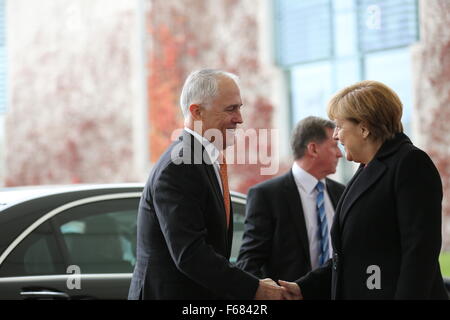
372,103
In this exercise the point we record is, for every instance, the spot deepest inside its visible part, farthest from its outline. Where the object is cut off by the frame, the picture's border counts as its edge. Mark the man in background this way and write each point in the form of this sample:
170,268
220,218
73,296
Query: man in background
288,218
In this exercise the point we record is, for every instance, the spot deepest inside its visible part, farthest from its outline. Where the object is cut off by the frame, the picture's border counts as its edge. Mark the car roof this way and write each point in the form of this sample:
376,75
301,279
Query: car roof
12,195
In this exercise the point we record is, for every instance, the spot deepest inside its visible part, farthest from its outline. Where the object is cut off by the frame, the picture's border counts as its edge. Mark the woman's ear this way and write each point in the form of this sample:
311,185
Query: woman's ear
364,130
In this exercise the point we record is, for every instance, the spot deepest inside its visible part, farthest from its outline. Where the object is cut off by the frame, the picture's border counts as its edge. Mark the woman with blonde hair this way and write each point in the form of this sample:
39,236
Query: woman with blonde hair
386,233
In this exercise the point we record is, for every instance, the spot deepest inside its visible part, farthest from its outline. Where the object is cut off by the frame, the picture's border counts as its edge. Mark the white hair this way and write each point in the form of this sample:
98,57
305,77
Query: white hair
201,86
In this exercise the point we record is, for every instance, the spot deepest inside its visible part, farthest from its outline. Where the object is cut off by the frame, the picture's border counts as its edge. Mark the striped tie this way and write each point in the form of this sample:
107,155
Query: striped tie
322,224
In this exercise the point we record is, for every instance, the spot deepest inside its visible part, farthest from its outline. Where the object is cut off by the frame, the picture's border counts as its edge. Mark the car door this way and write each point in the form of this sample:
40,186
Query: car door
238,204
33,268
85,251
99,243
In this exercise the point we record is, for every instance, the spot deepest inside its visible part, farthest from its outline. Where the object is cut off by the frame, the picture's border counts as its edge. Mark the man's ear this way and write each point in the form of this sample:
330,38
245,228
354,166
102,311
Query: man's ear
196,111
312,149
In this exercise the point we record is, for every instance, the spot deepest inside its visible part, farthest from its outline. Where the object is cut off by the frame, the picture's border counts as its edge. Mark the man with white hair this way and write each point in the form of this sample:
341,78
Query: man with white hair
185,226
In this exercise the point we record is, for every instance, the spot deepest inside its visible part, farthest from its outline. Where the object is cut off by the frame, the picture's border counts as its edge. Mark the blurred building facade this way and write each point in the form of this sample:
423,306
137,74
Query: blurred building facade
73,91
92,87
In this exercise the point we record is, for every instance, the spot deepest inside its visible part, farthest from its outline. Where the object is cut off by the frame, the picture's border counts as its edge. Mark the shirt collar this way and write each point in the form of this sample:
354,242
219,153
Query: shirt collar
304,180
210,148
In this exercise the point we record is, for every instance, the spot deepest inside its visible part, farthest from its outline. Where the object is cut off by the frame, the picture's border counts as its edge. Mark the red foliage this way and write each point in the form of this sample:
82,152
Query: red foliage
182,40
163,89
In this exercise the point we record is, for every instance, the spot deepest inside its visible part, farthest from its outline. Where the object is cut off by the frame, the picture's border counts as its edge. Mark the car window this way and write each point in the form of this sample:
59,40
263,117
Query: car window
37,254
100,237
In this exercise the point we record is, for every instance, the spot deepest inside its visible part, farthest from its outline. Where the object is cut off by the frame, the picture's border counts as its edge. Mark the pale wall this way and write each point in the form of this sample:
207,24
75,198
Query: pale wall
431,78
73,91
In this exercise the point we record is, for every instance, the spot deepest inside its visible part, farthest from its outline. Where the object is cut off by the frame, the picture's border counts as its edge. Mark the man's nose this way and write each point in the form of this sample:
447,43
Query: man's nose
238,117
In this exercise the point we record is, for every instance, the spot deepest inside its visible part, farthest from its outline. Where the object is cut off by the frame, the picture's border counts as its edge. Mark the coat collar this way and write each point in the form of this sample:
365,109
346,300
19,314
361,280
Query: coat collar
392,145
366,176
364,179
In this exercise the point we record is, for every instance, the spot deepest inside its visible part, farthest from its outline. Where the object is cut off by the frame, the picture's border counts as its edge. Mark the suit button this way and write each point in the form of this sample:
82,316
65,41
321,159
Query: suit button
335,261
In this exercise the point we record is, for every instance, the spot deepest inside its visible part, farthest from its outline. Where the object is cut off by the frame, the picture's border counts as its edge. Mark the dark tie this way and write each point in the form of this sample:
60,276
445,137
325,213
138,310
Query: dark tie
322,224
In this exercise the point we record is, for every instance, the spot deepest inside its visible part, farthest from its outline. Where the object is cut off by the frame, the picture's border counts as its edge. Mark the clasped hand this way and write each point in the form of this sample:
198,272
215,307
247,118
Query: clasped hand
270,290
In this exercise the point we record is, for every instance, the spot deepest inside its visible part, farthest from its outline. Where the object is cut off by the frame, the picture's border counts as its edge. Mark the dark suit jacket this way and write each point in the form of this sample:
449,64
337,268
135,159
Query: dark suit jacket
389,216
183,244
275,241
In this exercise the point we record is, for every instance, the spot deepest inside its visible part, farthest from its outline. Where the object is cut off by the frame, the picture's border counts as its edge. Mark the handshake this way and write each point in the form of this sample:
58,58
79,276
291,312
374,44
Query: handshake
270,290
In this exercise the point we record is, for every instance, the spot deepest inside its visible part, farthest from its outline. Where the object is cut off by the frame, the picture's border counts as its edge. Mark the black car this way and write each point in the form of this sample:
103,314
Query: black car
74,242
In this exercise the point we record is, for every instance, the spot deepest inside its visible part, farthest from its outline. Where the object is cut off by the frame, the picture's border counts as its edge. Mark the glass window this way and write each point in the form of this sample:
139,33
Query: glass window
309,23
311,88
347,71
101,237
37,254
368,39
345,27
387,24
393,68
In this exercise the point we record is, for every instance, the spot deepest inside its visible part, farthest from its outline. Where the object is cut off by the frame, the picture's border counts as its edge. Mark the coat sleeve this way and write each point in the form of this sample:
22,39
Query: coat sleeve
258,234
418,200
316,285
178,197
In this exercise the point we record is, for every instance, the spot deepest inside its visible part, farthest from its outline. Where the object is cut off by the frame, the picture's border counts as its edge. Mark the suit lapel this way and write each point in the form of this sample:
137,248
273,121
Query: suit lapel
336,227
215,183
296,211
197,157
230,229
197,152
363,181
218,191
332,193
211,173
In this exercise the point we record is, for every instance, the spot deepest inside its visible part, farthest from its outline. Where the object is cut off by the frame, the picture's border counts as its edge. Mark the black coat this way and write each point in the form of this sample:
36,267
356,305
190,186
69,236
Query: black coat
389,217
183,244
275,241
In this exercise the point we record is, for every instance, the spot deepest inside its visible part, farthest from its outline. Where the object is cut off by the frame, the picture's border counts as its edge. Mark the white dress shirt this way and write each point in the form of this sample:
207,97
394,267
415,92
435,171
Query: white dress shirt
212,151
306,185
